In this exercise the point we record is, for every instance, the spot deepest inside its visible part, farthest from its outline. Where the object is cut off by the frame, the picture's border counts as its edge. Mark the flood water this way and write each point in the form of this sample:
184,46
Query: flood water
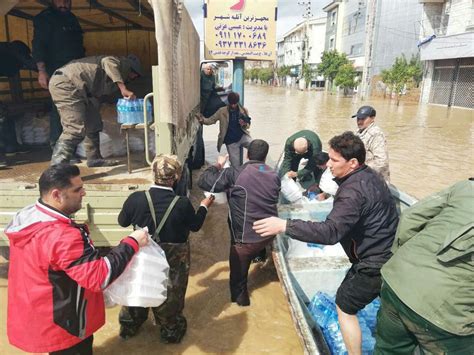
430,148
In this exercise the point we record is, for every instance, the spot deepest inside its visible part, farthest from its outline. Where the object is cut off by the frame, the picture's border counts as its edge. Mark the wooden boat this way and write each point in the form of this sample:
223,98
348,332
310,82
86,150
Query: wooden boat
302,275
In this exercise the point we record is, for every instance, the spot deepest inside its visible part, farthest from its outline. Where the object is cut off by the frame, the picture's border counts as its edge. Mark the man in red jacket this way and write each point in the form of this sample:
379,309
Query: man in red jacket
56,276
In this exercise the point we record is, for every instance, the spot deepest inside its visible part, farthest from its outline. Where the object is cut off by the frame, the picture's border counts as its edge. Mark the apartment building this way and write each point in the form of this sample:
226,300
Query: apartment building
447,51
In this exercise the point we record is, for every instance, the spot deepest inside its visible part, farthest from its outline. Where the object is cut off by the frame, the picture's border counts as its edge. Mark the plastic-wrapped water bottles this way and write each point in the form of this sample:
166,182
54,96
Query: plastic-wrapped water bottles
131,111
323,310
369,314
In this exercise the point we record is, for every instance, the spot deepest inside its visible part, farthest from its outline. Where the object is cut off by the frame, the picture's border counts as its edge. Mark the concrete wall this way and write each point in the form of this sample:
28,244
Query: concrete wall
397,30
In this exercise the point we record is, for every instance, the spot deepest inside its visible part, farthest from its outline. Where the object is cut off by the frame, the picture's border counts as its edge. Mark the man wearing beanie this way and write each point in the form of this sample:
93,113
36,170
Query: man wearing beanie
234,123
149,209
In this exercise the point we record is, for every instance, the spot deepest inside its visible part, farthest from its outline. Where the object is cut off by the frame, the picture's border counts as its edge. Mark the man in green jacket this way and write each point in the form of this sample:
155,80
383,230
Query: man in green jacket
428,290
303,144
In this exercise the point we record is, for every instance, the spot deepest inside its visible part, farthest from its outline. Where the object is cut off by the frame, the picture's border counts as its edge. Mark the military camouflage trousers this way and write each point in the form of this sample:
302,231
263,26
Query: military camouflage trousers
170,314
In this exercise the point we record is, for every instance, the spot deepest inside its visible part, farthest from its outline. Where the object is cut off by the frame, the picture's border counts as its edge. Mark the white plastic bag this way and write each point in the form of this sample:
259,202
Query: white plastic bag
145,280
327,184
290,189
219,197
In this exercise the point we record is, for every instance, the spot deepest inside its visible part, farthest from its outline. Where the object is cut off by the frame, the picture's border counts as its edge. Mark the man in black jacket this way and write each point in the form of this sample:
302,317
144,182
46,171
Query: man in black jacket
57,39
173,238
364,220
252,190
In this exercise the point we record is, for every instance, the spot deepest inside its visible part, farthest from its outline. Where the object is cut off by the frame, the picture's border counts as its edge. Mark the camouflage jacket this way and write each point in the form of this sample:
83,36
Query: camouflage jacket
376,148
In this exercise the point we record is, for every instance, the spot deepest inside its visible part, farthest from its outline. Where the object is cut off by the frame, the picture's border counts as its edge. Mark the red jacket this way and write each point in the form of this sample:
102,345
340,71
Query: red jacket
56,278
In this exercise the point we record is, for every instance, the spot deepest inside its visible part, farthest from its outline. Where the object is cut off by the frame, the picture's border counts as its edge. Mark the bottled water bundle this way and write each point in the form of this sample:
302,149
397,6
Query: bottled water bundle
323,311
130,111
144,282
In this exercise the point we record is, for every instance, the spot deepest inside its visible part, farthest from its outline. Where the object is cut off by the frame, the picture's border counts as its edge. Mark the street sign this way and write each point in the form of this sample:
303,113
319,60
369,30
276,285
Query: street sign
243,29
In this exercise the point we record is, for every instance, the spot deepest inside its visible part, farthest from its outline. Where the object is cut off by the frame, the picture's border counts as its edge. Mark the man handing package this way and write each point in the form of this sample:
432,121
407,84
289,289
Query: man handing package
76,89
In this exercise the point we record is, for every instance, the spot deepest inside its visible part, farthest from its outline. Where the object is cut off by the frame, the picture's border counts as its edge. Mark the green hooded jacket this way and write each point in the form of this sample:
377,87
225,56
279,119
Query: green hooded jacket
432,269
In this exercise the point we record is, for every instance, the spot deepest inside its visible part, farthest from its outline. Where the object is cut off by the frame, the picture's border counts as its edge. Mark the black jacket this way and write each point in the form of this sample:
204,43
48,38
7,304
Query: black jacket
181,220
364,219
252,190
57,39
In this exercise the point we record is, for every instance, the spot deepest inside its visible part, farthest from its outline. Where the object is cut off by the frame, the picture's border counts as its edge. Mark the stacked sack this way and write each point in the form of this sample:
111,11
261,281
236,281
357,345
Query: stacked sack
34,130
106,147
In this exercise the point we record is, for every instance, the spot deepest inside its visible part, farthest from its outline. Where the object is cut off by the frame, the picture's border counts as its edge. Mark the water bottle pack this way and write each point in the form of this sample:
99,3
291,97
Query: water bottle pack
323,311
130,111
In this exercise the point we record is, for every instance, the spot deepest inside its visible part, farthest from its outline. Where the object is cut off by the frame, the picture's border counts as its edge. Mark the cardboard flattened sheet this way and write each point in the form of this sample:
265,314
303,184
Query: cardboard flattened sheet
178,62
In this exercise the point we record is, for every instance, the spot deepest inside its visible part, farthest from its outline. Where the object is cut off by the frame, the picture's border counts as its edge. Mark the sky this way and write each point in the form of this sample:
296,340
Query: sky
289,13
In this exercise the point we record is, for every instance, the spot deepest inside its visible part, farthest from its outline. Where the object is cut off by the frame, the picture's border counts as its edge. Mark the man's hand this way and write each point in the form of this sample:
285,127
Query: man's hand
141,237
292,174
242,122
269,226
199,117
208,201
127,94
221,160
43,79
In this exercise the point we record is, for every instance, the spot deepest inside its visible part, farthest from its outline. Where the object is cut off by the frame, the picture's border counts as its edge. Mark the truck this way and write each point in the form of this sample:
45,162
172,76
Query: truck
162,35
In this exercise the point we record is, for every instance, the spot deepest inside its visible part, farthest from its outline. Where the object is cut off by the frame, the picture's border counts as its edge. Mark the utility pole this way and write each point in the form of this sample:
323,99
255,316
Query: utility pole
304,52
368,50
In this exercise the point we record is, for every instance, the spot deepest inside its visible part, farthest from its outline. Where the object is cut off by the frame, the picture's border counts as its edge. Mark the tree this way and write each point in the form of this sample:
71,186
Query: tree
415,69
346,78
331,61
402,75
265,75
307,74
283,71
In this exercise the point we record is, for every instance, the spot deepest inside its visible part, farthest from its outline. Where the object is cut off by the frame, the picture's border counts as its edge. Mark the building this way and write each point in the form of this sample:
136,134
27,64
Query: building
303,44
335,11
395,32
447,52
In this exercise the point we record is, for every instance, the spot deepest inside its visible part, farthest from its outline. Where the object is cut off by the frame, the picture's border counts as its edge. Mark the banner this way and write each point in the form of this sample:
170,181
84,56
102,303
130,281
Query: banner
244,29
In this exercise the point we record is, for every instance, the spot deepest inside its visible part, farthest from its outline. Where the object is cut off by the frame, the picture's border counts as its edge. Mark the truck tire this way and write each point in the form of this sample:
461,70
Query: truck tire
198,153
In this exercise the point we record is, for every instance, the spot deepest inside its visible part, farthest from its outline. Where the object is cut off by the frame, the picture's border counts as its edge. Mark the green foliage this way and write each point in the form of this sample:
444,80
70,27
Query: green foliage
331,61
265,74
308,73
346,77
402,74
283,70
416,71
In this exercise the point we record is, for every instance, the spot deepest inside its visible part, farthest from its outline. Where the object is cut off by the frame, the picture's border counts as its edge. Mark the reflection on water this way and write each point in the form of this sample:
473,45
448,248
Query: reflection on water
430,147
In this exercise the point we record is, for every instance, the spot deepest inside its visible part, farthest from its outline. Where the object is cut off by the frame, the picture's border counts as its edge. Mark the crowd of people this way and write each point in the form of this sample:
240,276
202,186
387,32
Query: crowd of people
419,263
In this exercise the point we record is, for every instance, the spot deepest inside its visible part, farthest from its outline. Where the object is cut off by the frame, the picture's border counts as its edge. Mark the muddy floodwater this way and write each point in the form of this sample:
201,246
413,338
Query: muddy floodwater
430,148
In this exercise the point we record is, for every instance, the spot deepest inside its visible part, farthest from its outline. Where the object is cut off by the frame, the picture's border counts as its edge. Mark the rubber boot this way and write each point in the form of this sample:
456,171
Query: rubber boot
62,152
94,158
3,161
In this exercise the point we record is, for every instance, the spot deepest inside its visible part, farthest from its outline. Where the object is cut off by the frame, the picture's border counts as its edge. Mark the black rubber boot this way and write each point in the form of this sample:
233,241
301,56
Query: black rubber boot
62,152
94,158
3,161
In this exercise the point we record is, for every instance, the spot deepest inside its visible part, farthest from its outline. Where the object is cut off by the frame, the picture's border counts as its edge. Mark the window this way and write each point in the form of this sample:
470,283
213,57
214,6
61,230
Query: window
333,18
356,49
331,44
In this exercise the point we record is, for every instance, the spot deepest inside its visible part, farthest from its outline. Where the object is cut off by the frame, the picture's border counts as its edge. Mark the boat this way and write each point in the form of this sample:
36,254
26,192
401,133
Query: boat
303,273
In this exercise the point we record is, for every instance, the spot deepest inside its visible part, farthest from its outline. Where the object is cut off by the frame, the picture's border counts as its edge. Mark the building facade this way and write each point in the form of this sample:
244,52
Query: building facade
303,44
447,52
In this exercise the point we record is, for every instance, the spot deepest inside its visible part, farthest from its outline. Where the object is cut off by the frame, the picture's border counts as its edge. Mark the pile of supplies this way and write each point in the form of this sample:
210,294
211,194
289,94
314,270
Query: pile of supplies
34,130
323,311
